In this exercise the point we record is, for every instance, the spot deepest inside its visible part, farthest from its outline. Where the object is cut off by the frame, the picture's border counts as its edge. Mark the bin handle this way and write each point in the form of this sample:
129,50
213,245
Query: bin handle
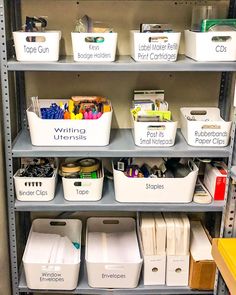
57,223
114,267
32,39
157,127
158,39
111,221
198,112
213,126
221,38
94,39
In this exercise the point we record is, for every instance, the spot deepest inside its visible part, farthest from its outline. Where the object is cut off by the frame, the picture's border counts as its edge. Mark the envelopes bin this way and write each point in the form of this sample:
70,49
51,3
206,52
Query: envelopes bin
52,276
204,127
94,47
112,253
210,46
37,46
59,132
154,134
35,188
154,47
155,190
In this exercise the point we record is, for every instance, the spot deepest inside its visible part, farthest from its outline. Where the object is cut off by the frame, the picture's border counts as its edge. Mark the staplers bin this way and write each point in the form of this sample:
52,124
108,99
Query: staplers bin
210,46
112,254
37,46
39,272
59,132
204,127
94,47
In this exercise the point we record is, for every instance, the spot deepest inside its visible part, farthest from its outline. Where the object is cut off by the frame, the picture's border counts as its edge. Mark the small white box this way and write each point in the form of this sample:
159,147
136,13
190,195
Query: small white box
154,134
112,253
37,46
210,46
204,127
60,132
177,270
35,189
86,49
83,189
155,190
49,276
154,47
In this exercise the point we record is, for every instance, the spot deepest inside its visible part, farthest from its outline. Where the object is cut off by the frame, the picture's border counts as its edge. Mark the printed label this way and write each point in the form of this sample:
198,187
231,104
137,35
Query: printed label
82,192
94,52
36,49
113,276
158,51
155,138
154,186
221,48
210,137
40,193
51,277
69,134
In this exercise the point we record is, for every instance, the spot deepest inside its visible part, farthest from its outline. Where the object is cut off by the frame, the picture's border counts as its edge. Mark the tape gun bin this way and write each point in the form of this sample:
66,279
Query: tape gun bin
52,254
37,46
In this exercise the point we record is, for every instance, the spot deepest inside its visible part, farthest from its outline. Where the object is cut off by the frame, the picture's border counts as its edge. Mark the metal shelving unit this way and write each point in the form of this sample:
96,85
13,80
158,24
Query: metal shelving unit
121,145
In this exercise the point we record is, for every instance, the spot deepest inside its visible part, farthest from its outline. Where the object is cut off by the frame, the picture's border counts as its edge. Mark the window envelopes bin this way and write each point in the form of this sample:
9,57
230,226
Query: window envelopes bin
37,46
35,188
112,253
39,272
155,190
210,46
154,134
60,132
154,47
92,47
82,189
204,127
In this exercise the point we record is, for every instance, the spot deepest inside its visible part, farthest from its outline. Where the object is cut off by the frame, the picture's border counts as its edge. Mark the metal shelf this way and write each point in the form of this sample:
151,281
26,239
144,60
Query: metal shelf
121,145
108,203
83,288
122,63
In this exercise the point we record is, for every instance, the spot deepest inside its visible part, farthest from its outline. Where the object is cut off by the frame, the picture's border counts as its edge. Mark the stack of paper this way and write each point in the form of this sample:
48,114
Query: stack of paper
227,248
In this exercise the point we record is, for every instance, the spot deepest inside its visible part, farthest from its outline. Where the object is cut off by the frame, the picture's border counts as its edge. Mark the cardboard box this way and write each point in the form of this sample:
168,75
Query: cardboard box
223,268
202,266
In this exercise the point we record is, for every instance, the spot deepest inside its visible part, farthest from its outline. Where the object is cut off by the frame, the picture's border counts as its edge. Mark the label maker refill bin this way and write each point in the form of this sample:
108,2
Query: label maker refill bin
153,190
94,47
154,47
210,46
35,189
48,260
59,132
204,127
37,46
112,255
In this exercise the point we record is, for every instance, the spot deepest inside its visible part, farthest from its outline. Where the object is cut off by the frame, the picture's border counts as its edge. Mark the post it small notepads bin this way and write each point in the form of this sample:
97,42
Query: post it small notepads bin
94,47
154,47
210,46
59,132
112,255
37,46
52,254
35,189
83,189
204,127
154,190
154,134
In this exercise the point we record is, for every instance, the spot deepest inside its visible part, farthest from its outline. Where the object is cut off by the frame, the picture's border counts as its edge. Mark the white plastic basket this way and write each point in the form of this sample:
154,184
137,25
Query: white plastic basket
210,46
154,47
86,49
47,49
83,189
209,129
46,276
155,190
35,189
154,134
59,132
110,263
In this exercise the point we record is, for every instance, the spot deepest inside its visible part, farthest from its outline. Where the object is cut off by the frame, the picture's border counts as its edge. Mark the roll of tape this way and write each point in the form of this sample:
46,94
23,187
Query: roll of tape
70,168
89,165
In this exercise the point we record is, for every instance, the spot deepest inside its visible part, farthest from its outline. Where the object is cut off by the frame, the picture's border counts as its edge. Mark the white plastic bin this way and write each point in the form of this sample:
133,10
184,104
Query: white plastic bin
83,189
154,134
204,127
155,190
46,47
210,46
35,189
154,47
112,254
86,49
60,132
46,276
